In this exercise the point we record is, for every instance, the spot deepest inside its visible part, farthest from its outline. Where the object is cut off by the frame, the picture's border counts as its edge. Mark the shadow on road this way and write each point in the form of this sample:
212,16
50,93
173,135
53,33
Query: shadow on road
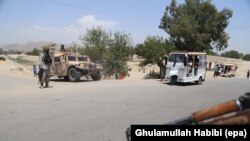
182,84
62,80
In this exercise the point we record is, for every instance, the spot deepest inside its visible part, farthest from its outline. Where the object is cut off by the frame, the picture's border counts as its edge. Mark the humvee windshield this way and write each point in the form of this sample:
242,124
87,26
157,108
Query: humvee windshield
71,58
176,58
82,59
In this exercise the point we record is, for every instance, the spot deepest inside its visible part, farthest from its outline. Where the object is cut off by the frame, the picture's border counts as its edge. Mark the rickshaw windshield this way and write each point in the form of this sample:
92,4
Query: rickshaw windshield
176,58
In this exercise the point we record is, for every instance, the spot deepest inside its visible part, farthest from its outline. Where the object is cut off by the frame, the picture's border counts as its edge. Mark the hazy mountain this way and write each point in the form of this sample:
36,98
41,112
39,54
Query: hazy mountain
29,46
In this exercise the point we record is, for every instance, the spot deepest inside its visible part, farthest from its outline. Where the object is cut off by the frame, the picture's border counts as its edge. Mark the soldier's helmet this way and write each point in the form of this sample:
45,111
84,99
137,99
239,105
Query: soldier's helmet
45,49
166,57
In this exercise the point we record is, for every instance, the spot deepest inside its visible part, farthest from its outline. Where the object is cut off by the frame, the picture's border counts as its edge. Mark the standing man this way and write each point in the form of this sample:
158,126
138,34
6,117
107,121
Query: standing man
248,72
45,62
210,65
162,64
216,70
196,64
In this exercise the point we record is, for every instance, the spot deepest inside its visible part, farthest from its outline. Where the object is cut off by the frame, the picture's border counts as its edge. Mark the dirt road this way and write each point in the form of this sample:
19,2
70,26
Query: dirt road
99,111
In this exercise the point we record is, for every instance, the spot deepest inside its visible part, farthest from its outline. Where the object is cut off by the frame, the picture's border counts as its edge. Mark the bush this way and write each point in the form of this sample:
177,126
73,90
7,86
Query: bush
231,54
246,57
35,52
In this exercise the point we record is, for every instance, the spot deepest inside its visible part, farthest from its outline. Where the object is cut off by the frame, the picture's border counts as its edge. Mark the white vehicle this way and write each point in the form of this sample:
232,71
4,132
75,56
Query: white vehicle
228,70
186,67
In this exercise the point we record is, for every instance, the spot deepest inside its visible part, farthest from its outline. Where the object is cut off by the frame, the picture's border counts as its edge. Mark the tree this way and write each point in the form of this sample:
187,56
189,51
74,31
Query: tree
196,25
131,52
81,50
96,42
118,54
246,57
153,51
74,47
112,50
210,52
241,55
231,54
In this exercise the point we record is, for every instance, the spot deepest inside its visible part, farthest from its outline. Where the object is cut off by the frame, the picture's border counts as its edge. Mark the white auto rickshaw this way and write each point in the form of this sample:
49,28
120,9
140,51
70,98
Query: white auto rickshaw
186,67
229,70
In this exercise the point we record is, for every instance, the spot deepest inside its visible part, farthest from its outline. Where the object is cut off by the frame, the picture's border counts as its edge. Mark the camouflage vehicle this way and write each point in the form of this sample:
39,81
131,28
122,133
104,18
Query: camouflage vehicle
2,58
72,66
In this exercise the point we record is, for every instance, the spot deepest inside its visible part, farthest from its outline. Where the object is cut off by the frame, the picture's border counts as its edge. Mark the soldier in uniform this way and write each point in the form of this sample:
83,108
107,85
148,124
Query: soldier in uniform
162,63
44,67
248,73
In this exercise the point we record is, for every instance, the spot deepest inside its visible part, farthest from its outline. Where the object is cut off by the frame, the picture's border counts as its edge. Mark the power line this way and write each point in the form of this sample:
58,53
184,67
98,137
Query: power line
74,6
95,10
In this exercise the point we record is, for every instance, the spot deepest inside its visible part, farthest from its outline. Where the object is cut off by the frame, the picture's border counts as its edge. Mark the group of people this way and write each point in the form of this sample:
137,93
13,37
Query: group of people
193,64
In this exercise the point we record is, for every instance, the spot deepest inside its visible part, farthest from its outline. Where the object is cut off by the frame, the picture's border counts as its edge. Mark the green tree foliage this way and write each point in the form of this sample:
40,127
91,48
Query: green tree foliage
35,52
241,55
96,42
20,52
153,49
81,50
118,54
131,52
210,52
112,50
196,25
75,47
231,54
247,57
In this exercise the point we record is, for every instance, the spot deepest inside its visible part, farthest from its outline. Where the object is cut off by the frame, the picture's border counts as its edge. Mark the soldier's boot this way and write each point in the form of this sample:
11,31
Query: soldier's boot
41,84
46,85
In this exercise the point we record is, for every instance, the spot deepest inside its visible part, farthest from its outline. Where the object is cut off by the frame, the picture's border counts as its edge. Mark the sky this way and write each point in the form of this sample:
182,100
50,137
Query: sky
63,21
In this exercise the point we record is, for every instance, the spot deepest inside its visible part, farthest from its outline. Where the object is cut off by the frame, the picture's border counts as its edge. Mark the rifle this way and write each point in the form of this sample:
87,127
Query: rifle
242,104
239,118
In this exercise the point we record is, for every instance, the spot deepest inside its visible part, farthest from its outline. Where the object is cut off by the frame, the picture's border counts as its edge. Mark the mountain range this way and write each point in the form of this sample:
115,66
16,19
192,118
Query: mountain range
29,46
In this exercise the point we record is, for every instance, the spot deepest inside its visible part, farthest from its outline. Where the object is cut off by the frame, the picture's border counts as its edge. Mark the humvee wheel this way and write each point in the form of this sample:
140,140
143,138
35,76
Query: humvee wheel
96,75
73,75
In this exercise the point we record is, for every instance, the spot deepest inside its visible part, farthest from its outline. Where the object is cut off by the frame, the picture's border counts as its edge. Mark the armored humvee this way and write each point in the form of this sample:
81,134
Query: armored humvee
72,66
2,58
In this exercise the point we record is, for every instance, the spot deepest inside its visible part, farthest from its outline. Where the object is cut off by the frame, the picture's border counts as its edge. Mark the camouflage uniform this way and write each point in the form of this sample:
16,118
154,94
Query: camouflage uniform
44,69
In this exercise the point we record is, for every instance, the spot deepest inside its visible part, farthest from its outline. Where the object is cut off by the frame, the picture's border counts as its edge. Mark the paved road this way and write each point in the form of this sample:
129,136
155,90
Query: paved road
100,111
